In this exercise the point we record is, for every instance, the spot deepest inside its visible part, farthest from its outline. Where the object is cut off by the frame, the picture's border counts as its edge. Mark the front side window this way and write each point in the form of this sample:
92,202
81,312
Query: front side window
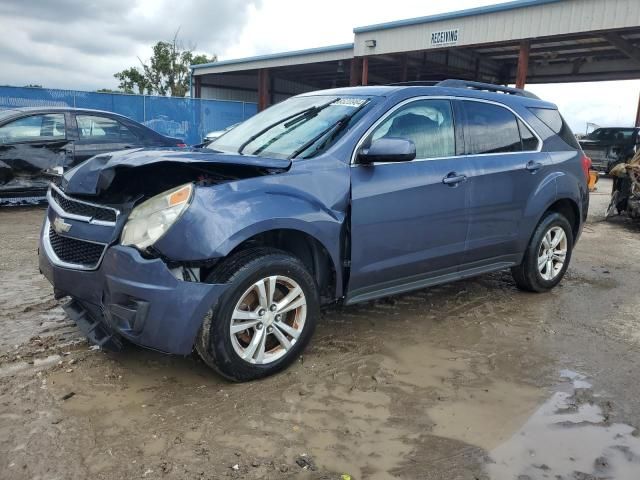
34,128
427,123
300,127
103,129
491,129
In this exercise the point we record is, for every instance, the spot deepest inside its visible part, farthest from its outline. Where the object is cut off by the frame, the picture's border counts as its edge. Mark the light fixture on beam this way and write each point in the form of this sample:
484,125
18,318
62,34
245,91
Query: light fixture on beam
370,43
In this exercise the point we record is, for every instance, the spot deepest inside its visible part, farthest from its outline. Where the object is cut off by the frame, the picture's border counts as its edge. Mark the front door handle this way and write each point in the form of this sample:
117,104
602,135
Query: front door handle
533,166
454,179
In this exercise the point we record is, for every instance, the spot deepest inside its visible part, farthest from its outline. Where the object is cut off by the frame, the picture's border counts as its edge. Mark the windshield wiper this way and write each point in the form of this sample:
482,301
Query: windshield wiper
339,125
302,115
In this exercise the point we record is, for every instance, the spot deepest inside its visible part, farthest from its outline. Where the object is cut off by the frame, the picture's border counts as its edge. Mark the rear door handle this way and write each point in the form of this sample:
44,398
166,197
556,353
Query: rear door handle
453,179
533,166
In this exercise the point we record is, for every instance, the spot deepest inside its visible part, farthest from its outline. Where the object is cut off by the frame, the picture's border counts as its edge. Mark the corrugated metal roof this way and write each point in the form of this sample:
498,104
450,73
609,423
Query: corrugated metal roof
500,7
275,56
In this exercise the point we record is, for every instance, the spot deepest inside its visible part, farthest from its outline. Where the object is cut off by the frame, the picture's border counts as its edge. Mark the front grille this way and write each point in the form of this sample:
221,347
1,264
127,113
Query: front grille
73,251
83,209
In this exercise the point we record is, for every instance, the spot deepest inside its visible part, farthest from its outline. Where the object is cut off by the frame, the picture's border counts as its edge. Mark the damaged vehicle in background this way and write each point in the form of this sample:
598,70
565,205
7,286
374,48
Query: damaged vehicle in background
344,195
211,136
608,147
38,144
625,195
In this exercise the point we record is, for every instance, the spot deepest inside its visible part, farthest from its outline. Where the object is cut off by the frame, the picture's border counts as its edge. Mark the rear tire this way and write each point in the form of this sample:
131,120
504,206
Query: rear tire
263,283
545,261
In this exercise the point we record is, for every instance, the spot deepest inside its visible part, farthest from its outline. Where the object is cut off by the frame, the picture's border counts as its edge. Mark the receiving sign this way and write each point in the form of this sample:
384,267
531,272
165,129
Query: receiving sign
445,37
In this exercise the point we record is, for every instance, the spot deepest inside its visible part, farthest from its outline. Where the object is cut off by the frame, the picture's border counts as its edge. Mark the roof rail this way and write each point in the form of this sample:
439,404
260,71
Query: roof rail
489,87
415,83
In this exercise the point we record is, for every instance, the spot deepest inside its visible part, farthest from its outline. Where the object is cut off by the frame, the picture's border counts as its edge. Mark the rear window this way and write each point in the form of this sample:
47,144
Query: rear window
552,119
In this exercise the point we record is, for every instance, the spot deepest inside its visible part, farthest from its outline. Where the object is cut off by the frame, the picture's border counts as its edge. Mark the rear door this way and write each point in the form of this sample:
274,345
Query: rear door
33,150
407,224
505,168
101,134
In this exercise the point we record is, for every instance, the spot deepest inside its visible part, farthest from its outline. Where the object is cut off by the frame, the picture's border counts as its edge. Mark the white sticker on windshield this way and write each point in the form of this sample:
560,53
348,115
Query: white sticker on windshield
350,102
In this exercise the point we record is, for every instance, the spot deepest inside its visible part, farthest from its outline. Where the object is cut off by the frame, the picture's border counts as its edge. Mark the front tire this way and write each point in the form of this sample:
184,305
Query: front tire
547,256
264,320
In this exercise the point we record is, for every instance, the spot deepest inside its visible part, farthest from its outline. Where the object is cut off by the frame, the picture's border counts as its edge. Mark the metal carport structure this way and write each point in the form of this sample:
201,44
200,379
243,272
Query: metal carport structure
519,42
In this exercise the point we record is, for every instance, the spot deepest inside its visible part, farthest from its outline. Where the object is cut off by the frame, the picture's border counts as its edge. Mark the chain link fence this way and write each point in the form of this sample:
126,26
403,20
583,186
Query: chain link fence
187,118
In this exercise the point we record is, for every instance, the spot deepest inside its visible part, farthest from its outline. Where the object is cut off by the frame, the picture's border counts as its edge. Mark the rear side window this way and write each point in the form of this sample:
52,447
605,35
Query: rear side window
103,129
529,140
491,129
552,119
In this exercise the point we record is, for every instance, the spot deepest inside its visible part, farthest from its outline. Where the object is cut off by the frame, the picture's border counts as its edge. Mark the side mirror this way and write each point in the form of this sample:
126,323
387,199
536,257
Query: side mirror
388,150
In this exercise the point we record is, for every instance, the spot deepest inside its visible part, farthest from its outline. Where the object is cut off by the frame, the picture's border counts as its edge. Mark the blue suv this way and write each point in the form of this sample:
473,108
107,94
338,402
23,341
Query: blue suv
343,195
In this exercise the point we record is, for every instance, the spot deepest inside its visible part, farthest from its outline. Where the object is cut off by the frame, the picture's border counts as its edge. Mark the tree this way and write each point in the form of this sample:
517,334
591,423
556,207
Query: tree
166,73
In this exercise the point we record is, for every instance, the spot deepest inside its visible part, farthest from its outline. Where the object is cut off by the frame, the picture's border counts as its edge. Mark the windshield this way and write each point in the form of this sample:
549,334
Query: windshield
299,127
611,134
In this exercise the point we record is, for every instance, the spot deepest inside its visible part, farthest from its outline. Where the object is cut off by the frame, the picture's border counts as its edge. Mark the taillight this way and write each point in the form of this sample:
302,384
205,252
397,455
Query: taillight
586,166
181,145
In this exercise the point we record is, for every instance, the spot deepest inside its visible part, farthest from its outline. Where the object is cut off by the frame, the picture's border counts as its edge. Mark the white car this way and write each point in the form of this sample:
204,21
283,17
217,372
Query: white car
211,136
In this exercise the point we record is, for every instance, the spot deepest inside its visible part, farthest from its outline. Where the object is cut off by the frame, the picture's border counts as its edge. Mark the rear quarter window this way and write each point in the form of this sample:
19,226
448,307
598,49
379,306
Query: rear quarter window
552,119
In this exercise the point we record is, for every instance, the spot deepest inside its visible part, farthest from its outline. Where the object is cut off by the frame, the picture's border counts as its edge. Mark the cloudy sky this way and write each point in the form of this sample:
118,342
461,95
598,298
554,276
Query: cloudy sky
80,44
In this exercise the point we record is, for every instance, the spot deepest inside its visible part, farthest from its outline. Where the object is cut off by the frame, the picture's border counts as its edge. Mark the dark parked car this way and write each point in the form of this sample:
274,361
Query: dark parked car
39,144
343,195
608,147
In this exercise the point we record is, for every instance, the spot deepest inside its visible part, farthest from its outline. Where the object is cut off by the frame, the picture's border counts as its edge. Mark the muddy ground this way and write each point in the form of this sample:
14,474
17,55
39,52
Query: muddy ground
473,380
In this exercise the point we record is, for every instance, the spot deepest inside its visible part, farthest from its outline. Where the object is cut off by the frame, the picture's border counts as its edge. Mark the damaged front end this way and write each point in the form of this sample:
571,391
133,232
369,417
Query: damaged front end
99,241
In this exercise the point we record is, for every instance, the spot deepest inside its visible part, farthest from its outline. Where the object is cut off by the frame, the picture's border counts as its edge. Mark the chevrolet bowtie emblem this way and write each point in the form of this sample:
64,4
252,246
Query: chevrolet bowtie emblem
60,226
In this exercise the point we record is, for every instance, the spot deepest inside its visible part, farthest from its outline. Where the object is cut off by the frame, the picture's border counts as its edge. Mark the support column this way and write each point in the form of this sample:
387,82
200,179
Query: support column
365,70
197,87
354,72
638,114
404,68
523,65
263,89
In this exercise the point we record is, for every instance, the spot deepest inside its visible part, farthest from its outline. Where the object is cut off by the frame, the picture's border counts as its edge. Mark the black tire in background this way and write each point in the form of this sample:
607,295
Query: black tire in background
527,275
240,271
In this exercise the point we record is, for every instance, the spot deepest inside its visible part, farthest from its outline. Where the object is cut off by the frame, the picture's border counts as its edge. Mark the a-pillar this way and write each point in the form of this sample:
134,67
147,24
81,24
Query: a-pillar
638,114
523,64
264,93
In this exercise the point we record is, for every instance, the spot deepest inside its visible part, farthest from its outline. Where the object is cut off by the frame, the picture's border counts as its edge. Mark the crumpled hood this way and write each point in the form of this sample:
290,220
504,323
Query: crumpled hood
96,174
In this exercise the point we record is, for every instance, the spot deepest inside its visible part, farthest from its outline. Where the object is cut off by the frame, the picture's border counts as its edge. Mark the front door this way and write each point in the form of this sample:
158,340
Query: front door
409,220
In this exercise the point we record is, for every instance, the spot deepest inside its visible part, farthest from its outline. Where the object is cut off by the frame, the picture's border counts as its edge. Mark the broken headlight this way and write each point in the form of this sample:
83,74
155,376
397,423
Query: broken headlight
152,218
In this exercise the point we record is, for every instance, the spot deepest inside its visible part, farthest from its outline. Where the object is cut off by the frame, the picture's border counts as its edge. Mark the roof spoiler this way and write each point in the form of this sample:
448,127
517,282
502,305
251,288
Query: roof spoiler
489,87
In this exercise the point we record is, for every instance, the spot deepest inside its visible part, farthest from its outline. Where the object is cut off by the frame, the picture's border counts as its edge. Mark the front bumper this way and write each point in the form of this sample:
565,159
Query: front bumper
132,297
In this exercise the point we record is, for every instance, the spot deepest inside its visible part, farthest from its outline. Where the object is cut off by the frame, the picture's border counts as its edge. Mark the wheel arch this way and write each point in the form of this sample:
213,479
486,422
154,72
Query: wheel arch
569,209
312,252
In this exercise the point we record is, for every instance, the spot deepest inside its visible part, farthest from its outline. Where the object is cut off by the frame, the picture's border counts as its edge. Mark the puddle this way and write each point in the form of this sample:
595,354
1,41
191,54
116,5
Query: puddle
568,437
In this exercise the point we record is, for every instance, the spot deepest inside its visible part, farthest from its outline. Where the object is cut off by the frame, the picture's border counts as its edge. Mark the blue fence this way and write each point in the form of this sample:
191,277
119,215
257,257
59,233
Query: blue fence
186,118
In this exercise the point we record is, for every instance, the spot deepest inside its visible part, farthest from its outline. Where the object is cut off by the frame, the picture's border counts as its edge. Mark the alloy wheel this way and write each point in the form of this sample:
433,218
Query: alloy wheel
552,253
268,319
